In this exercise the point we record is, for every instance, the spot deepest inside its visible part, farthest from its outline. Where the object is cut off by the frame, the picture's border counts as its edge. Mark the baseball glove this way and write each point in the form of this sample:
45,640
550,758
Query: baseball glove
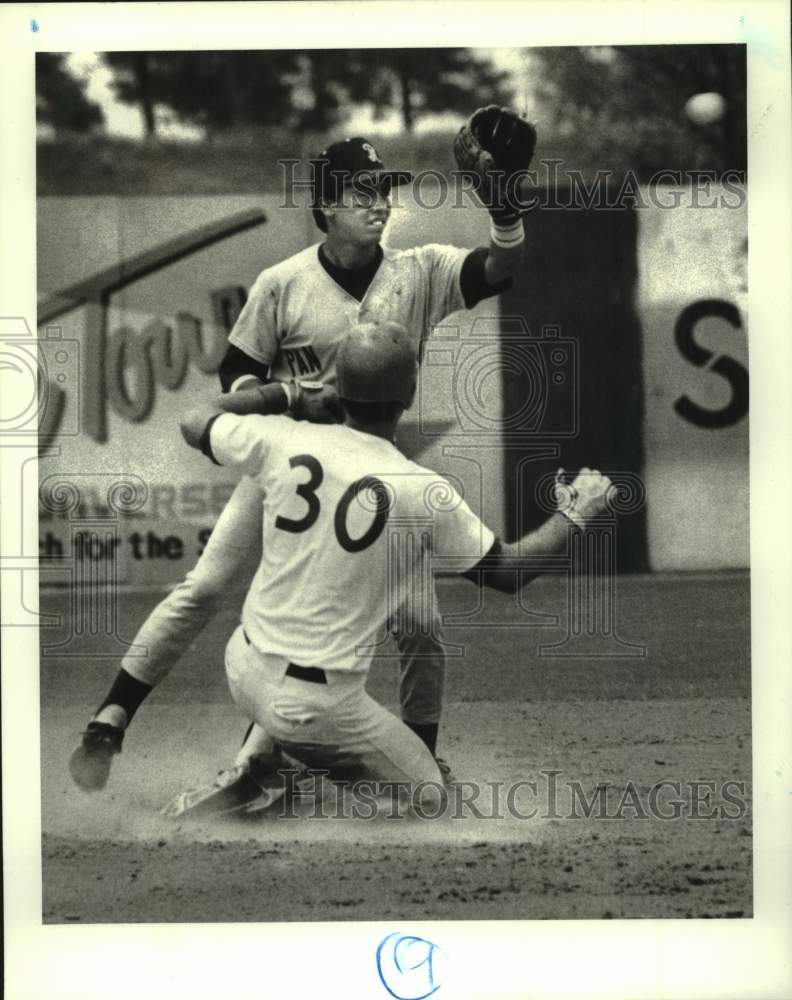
492,147
89,765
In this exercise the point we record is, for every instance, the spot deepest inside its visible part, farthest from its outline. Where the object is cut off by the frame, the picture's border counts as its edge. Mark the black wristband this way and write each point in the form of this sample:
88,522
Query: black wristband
128,692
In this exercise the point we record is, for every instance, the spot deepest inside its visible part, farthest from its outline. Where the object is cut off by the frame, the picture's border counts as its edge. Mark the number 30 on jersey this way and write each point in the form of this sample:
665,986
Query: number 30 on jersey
308,492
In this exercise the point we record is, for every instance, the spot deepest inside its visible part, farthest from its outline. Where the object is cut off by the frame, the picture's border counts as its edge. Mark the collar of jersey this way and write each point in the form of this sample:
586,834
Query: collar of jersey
335,284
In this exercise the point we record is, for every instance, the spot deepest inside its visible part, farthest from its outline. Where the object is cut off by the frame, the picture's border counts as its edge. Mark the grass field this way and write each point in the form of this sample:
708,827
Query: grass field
239,163
680,713
246,161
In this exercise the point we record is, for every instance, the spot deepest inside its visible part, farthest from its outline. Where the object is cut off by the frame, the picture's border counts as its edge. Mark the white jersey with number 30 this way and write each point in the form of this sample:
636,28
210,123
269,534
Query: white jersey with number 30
349,527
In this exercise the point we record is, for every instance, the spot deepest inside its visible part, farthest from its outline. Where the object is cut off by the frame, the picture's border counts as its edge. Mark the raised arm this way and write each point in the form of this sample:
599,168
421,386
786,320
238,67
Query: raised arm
510,566
494,149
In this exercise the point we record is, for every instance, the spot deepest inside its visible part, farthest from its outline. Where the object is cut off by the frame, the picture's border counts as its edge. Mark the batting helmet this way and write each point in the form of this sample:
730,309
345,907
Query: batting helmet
377,363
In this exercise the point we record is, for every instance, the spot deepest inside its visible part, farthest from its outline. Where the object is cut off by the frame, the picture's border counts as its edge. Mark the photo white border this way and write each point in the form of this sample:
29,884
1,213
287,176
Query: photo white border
609,959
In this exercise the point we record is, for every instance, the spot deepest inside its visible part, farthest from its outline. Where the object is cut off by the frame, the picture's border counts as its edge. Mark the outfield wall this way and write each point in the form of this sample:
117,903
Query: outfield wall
611,285
692,300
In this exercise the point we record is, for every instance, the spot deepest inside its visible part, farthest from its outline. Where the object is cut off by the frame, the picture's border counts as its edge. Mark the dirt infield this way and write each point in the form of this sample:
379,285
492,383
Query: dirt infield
627,739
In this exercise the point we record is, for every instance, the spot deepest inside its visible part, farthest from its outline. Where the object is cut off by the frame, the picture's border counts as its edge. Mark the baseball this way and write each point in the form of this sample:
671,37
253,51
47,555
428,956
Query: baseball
704,109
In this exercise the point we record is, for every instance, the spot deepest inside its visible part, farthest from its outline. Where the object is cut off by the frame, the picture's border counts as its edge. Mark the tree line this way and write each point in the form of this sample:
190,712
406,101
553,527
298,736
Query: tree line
598,105
304,91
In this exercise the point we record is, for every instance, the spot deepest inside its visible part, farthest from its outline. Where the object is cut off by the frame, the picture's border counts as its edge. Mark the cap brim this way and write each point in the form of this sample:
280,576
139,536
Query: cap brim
393,178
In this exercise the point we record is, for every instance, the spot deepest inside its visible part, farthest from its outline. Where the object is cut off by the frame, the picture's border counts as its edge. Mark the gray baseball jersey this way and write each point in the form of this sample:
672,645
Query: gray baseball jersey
297,316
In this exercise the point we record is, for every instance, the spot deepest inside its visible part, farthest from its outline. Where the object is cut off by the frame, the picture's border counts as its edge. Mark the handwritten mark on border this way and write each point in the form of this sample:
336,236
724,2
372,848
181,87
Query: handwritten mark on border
407,966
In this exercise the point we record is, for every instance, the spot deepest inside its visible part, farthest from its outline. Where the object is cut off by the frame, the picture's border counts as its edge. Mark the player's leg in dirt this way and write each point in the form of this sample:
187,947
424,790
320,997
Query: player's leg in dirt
330,726
417,627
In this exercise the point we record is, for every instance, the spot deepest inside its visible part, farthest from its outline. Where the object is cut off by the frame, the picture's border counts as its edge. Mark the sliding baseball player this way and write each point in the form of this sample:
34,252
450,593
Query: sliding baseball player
349,529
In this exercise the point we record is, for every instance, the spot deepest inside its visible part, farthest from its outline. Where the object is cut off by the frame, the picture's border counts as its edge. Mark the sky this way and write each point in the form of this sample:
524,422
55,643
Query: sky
125,120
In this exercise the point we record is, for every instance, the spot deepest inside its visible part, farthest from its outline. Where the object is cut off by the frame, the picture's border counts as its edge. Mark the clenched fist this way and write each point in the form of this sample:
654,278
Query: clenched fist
585,497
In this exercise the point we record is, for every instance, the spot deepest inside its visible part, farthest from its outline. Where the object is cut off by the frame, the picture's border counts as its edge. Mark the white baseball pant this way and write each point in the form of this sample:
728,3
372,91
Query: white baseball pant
334,726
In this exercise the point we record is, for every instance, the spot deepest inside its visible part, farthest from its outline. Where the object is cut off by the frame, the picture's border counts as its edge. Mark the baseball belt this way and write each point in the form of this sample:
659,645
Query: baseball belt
314,675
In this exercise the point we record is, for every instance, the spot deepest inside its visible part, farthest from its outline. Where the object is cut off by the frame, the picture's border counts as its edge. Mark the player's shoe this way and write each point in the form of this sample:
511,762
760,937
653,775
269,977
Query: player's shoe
252,787
89,764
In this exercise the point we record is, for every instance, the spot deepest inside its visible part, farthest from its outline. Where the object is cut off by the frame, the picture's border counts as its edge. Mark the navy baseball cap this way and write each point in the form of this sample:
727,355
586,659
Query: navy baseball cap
350,163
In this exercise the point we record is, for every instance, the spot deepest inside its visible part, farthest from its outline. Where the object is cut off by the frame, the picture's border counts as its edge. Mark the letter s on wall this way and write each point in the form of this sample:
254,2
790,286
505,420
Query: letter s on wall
729,369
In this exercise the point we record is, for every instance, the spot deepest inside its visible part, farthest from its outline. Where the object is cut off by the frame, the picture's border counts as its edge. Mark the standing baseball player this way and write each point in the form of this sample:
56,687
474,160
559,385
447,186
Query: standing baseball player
349,527
285,344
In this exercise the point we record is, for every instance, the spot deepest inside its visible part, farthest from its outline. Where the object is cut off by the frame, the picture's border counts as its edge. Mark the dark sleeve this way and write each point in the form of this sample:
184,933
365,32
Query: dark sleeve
204,442
237,363
484,563
472,281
